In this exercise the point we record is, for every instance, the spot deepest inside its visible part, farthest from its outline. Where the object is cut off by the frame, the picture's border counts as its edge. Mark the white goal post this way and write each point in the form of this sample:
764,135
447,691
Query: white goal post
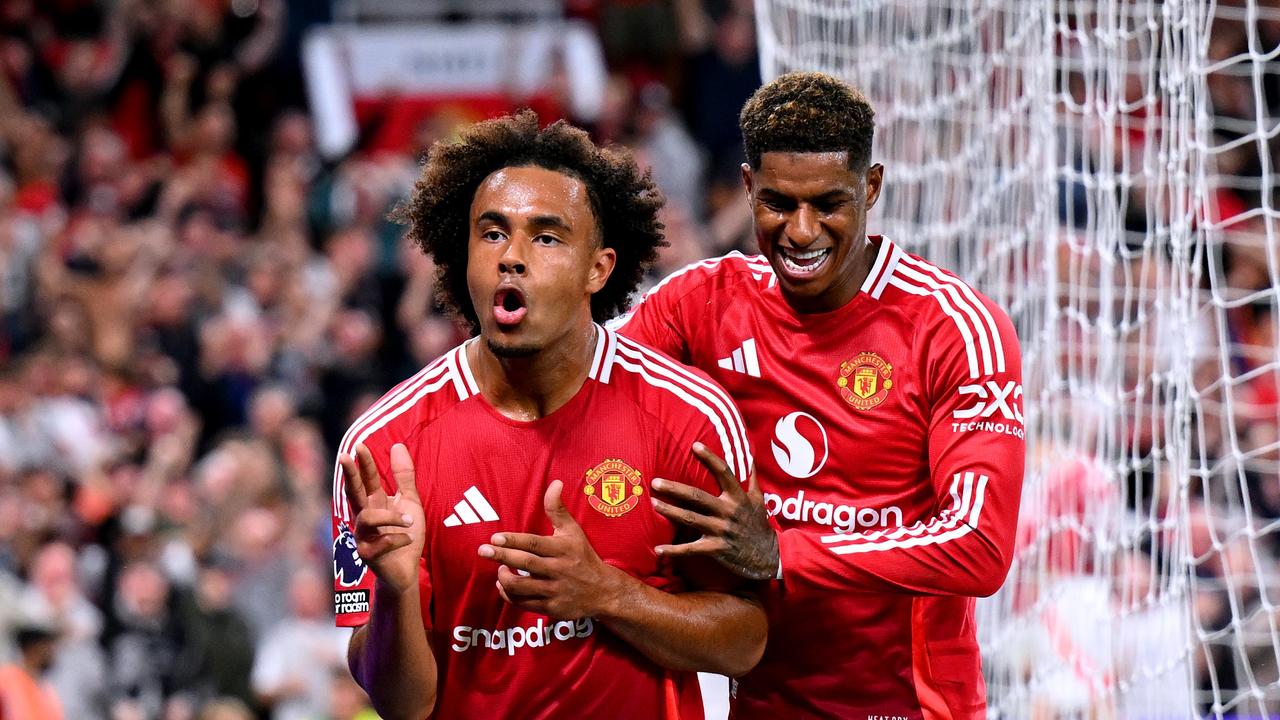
1104,170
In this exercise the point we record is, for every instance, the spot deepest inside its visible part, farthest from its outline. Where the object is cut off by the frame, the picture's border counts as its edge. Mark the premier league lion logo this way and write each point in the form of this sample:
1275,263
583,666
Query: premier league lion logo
348,567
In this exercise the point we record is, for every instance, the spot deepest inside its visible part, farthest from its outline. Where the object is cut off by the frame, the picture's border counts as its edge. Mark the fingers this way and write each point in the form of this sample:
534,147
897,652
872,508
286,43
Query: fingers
753,485
540,545
720,469
514,559
377,547
353,484
701,546
368,470
690,496
555,509
371,522
402,471
705,524
516,587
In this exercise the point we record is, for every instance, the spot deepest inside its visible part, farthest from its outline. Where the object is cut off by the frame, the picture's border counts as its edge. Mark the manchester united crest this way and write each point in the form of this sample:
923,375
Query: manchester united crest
864,381
613,488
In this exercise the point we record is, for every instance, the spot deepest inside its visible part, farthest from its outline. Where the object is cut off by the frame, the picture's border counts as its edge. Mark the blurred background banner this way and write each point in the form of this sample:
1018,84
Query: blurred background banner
392,76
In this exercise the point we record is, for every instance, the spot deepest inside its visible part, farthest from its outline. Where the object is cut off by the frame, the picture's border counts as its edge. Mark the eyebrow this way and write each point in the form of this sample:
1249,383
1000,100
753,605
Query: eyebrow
827,196
540,221
554,221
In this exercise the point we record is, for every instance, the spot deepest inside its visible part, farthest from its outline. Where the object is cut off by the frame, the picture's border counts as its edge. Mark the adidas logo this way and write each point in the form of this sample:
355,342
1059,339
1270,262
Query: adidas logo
471,509
743,359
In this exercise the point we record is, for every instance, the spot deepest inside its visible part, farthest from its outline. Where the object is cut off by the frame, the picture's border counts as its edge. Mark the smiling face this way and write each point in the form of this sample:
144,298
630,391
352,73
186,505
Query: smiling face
810,212
534,259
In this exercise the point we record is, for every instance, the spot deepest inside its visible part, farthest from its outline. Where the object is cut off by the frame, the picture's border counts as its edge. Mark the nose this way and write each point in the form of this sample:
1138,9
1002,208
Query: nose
512,260
803,227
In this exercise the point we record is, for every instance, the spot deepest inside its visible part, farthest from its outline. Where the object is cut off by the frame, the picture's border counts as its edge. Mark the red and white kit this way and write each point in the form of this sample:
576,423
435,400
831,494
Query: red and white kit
479,472
891,437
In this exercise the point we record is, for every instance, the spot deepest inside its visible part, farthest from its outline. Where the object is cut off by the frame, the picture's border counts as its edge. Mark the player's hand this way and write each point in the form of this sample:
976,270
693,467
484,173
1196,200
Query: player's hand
390,530
558,575
734,525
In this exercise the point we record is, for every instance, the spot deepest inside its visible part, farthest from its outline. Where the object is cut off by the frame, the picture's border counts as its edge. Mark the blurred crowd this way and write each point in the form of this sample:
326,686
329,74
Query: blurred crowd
1234,534
194,304
1222,507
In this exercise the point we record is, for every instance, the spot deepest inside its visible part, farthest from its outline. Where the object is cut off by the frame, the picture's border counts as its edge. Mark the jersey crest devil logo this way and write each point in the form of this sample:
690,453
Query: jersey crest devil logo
348,566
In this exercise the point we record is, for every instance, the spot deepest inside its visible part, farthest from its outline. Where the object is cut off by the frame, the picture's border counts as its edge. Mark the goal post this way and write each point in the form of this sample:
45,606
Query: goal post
1105,171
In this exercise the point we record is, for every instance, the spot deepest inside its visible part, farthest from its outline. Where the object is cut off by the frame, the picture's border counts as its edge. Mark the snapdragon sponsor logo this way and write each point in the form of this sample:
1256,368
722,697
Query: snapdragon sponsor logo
797,438
539,634
844,518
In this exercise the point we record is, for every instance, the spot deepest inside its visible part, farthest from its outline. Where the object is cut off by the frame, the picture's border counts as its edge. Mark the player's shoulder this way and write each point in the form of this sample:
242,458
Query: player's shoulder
658,384
685,401
735,271
936,296
415,402
950,316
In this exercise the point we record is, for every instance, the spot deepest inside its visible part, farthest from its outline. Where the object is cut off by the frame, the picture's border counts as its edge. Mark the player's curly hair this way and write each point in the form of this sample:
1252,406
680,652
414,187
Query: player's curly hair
808,112
624,200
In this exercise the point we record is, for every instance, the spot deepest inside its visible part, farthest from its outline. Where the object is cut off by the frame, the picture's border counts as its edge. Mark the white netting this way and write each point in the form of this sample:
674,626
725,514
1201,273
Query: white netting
1103,170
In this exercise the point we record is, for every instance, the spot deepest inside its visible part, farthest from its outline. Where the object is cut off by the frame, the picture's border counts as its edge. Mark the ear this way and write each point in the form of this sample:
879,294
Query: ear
875,179
747,183
605,260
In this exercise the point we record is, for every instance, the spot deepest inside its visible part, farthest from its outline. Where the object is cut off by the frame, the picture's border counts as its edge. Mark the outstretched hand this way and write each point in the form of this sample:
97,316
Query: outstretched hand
558,575
734,525
390,530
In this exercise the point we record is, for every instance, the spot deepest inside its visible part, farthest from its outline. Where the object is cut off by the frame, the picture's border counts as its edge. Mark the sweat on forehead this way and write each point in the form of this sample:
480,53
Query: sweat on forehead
533,191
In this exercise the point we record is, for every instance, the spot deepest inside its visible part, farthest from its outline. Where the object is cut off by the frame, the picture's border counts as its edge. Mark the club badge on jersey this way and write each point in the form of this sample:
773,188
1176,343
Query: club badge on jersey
613,488
864,381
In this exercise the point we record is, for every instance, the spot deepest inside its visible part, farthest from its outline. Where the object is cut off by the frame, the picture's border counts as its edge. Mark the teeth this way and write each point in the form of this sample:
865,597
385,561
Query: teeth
789,260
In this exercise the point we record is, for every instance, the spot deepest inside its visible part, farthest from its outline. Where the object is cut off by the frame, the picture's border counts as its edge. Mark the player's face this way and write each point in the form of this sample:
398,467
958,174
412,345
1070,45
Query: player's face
534,259
810,217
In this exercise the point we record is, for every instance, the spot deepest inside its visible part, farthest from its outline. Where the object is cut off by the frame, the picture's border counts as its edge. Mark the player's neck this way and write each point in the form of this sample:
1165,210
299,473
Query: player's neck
532,387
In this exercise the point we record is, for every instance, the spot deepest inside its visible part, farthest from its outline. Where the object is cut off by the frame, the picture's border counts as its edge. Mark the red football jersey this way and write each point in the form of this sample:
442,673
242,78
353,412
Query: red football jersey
892,441
480,472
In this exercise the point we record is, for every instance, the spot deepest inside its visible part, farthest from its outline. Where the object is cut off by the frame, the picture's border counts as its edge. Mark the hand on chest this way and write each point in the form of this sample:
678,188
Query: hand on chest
608,498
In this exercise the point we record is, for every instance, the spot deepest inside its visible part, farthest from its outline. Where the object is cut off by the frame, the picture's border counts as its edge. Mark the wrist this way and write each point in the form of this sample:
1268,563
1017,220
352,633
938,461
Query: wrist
614,595
403,590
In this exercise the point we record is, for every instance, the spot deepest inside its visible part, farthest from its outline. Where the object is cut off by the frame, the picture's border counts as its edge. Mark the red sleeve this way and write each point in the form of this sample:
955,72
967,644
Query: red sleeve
976,456
353,580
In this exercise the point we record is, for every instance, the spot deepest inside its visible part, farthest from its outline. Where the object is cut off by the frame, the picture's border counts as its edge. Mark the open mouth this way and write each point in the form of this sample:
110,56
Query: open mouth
508,306
803,262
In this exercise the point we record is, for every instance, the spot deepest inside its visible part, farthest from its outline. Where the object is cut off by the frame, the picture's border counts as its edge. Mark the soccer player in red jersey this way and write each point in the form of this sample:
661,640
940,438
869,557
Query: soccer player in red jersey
494,534
884,397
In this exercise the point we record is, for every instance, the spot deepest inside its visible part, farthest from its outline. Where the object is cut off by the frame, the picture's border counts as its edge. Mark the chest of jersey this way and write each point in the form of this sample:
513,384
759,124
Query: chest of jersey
493,478
836,410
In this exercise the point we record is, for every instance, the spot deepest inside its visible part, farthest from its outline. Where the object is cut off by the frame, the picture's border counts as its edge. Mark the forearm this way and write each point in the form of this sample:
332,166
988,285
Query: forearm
391,659
702,631
973,565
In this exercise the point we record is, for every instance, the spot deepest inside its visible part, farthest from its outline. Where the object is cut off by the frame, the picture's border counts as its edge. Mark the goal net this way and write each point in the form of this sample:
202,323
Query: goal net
1103,169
